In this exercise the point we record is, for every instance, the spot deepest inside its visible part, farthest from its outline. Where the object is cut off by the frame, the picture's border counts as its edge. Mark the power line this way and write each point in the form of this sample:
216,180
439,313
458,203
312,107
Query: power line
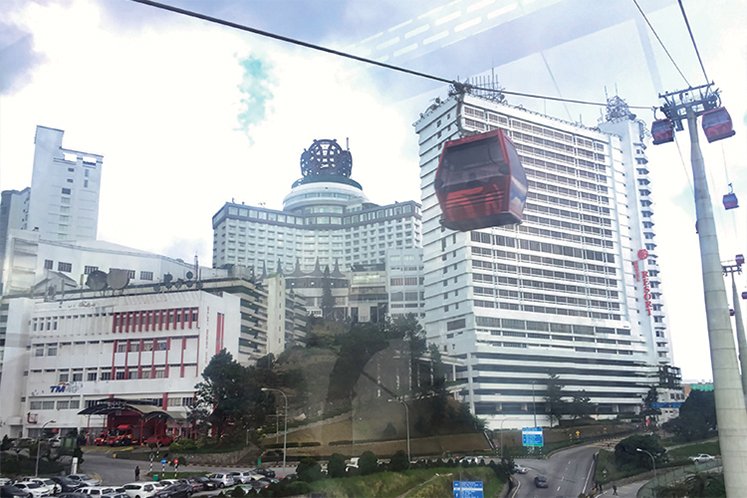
651,27
339,53
695,45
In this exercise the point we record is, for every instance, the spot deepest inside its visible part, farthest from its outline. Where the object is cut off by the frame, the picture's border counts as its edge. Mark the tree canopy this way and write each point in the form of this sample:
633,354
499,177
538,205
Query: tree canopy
697,418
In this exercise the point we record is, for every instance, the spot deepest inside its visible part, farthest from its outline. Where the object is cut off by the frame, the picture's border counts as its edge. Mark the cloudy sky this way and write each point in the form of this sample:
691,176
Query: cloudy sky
189,115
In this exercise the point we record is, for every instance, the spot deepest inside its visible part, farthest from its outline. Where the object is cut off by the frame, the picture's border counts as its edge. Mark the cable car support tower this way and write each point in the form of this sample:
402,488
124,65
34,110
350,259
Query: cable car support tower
687,106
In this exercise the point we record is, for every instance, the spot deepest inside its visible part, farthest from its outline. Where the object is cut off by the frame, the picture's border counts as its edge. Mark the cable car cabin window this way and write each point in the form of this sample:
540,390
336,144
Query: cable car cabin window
467,165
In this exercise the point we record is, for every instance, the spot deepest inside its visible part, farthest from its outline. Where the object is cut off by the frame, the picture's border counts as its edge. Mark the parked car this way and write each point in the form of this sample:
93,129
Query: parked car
117,494
540,482
201,484
4,481
245,476
73,495
265,472
36,490
98,491
144,489
66,485
45,482
9,491
176,490
702,458
222,480
84,479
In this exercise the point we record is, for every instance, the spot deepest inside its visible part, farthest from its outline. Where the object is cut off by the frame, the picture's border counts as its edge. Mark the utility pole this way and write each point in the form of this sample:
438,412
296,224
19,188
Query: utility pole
741,339
687,105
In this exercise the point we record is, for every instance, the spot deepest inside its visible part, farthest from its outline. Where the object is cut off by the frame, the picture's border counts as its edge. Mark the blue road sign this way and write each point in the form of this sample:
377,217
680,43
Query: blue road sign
532,436
163,461
468,489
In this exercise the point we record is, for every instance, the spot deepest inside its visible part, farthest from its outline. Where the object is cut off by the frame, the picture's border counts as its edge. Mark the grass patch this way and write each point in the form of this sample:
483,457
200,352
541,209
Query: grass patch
683,453
606,461
420,483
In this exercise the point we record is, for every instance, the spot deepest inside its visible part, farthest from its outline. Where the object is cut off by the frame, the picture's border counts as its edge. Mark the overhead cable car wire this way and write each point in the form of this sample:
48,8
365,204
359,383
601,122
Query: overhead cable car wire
347,55
695,45
684,167
651,27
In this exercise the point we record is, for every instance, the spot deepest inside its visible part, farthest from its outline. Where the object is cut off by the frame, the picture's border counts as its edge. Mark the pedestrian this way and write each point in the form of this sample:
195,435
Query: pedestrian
614,489
137,472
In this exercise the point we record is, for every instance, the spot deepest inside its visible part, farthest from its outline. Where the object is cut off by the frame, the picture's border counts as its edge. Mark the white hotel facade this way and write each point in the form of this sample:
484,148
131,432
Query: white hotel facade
558,293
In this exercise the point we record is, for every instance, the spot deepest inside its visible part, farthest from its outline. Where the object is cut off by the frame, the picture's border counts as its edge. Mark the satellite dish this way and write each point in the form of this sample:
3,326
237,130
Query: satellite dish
190,283
118,279
190,275
198,285
96,280
179,283
167,277
157,287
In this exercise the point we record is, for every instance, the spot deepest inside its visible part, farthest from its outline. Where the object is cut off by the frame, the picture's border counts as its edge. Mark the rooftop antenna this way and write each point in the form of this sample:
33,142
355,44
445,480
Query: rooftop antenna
347,143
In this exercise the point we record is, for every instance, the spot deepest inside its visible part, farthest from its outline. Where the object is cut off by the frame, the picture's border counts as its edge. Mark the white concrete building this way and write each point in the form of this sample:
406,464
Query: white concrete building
556,294
65,187
63,356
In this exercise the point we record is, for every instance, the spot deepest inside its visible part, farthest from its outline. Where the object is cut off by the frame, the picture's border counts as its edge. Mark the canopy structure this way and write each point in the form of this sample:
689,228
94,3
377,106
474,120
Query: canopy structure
129,421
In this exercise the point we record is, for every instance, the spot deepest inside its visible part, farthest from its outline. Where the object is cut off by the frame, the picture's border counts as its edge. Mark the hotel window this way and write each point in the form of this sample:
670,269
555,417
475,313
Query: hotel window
77,376
64,377
66,267
39,351
106,376
91,376
52,350
48,264
146,275
66,191
120,375
89,269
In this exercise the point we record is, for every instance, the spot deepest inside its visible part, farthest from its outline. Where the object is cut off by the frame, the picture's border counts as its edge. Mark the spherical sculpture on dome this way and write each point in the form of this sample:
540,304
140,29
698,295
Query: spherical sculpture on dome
326,157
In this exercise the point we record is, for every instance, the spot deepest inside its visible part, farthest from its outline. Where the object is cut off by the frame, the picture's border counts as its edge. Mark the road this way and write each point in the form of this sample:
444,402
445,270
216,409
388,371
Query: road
568,473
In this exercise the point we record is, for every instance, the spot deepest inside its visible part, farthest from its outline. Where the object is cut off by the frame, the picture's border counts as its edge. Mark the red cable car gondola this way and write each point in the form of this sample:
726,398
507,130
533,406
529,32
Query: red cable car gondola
663,131
480,182
717,124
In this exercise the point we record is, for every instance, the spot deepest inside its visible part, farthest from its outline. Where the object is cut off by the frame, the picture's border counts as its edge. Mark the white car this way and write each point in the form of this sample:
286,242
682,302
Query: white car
521,470
97,491
246,476
36,490
84,479
702,458
144,489
49,484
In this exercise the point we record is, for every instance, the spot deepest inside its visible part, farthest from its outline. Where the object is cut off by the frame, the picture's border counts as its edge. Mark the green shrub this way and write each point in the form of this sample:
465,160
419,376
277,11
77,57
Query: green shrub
183,444
336,465
368,464
399,462
309,470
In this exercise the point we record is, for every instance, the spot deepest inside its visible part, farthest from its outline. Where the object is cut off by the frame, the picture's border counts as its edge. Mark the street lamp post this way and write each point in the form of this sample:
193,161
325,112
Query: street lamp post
407,424
285,422
38,446
653,463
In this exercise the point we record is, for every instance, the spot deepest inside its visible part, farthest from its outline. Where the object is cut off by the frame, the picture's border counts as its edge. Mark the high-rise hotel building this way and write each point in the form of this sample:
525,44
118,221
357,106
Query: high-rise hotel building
326,222
570,291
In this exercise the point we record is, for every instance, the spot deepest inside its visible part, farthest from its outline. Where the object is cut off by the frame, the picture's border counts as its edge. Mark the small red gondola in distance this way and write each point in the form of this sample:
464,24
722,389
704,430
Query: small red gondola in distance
480,182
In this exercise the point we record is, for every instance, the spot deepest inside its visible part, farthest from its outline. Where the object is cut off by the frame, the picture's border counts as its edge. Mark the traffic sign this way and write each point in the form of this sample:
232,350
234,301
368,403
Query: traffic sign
163,461
532,436
468,489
